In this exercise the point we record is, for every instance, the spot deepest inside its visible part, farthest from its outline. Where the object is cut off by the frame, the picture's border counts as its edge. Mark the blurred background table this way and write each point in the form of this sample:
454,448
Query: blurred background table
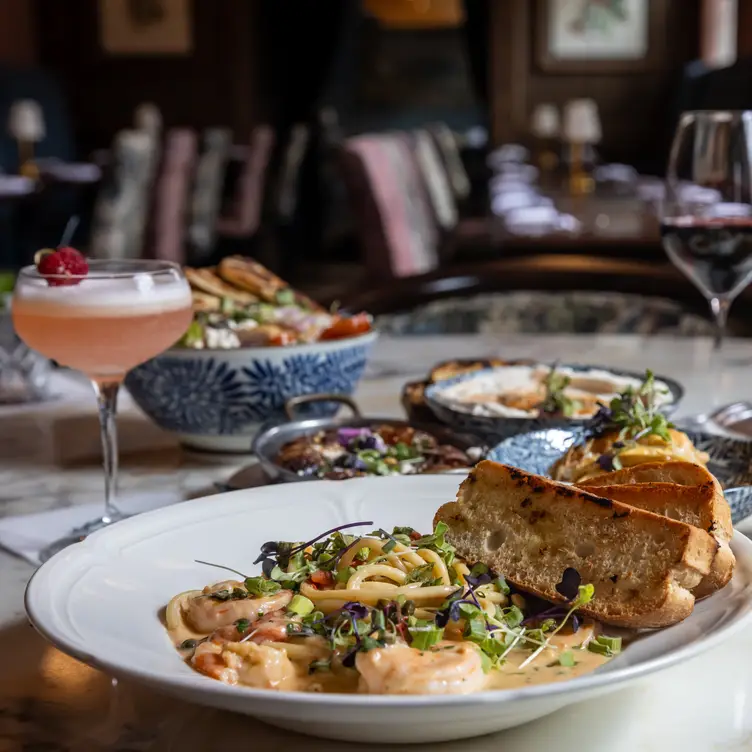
49,459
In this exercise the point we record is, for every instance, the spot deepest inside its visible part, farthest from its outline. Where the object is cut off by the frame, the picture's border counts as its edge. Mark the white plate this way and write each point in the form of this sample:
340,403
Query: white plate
100,600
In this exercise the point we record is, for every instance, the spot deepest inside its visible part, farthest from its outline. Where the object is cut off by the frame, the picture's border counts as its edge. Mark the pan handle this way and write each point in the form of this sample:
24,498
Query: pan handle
306,399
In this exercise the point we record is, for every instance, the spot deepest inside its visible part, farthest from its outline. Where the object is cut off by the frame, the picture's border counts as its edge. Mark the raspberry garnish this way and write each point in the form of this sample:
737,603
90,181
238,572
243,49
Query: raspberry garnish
64,266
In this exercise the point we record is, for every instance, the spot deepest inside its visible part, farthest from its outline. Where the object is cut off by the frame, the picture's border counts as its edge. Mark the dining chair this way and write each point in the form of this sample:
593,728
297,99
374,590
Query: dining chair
167,231
398,232
244,216
122,204
206,198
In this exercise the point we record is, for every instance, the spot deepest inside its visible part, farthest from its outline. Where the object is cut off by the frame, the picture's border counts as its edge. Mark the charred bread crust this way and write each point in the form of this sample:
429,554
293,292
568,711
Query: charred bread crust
547,522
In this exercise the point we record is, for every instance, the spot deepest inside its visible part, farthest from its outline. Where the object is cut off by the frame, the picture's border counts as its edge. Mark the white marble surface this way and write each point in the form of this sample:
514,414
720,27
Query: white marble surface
49,458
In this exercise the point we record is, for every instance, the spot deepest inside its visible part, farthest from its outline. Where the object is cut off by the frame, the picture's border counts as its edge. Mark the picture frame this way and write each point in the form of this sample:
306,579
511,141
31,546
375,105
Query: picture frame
146,27
599,36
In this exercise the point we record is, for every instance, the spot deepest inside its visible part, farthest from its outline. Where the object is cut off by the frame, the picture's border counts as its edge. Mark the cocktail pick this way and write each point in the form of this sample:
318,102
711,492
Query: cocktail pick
69,231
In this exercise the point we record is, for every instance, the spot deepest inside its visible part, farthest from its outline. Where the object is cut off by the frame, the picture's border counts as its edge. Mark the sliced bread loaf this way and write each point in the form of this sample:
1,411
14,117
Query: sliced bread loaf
533,530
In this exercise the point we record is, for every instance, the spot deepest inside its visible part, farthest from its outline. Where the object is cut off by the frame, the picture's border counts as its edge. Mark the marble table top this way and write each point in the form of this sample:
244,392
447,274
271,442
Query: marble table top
49,458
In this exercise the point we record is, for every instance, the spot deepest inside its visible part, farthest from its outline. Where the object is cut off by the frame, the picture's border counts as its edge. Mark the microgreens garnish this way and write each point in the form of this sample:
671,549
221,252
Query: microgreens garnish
555,400
634,414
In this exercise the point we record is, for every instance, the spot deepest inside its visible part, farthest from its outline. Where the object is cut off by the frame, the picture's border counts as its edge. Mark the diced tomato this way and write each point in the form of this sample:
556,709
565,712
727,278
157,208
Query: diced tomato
415,535
348,327
281,339
323,580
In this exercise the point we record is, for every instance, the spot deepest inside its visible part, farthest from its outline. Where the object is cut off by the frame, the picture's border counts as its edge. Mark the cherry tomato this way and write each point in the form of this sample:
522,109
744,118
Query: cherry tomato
348,327
322,580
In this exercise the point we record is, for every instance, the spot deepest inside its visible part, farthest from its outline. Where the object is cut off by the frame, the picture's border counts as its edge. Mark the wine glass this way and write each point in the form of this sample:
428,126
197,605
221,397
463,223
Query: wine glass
706,217
119,315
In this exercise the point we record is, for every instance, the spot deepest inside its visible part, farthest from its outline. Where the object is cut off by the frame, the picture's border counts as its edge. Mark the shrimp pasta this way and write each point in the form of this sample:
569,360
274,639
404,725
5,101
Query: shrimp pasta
379,613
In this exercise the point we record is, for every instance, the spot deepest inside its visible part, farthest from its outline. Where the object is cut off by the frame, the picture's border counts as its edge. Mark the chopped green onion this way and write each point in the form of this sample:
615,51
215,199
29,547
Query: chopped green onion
285,297
567,659
300,605
604,645
389,546
345,574
378,620
501,584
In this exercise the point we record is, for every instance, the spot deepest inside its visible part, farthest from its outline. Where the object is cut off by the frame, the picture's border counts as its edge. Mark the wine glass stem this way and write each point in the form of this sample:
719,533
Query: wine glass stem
107,393
720,308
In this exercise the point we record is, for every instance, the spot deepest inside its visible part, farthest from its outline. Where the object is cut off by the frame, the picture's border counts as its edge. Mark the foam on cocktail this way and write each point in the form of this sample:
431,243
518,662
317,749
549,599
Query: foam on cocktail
106,296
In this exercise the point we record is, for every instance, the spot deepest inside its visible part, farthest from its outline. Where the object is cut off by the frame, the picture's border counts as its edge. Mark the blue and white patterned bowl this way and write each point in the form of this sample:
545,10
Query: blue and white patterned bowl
218,400
495,428
730,460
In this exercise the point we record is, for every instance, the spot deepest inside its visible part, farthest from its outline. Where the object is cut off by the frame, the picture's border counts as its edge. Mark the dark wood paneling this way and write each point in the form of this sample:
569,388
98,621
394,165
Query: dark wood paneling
744,27
18,42
635,107
215,85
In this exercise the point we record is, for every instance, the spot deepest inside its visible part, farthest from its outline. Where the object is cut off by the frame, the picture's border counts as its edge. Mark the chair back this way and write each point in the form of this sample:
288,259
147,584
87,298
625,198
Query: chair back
397,229
122,205
206,199
246,206
436,180
172,196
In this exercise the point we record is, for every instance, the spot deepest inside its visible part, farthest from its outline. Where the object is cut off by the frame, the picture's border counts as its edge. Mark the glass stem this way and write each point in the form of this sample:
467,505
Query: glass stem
720,308
107,393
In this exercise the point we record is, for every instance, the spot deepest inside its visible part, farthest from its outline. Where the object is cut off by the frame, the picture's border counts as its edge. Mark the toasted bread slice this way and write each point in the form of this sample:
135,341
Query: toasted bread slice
532,529
702,505
206,280
249,275
674,471
205,303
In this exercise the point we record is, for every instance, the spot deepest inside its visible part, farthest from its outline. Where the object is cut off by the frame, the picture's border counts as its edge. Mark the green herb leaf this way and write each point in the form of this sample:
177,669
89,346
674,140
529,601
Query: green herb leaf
424,635
260,586
242,625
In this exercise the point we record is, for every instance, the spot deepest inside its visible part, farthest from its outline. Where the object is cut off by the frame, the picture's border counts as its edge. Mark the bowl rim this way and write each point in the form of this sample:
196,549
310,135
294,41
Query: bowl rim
675,388
365,338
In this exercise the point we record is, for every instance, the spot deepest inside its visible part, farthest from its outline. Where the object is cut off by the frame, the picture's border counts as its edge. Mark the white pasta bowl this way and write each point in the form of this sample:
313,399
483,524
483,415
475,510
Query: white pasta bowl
100,601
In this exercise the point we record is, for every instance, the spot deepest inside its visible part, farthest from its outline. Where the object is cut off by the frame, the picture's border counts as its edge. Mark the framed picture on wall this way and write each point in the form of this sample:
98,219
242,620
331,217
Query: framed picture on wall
598,36
145,27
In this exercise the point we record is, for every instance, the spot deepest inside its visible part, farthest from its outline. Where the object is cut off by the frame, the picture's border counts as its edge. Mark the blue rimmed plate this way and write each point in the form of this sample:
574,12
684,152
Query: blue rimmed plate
730,459
495,428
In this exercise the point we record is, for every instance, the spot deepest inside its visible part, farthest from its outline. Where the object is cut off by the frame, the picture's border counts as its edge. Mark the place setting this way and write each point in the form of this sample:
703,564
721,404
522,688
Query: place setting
591,541
397,398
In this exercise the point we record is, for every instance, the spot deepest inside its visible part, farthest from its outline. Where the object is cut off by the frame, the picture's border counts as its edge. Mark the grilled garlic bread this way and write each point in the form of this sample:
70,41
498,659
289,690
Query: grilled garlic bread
207,281
542,535
682,491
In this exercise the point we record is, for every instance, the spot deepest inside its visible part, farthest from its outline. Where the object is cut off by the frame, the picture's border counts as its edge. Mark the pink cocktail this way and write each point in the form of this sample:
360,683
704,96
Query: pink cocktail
117,316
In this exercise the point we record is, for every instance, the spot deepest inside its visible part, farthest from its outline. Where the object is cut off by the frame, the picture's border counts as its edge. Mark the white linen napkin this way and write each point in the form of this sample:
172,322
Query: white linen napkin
27,535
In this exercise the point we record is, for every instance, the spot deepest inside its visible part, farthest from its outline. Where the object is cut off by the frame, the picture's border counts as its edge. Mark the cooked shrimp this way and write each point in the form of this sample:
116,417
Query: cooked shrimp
271,627
206,614
246,663
209,659
445,669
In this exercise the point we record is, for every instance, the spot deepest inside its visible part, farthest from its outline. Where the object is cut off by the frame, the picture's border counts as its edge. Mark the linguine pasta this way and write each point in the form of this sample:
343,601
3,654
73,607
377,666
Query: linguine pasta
386,613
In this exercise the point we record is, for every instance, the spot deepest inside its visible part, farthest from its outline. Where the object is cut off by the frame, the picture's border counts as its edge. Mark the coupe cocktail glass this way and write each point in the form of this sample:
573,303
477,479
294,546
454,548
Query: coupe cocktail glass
119,315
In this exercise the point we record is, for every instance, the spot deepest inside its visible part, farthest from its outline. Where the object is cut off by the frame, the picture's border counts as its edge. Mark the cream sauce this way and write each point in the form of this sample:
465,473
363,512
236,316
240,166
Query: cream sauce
544,669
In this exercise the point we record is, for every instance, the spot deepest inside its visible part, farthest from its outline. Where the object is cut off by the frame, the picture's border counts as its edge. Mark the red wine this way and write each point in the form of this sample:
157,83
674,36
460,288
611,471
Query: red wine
715,253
